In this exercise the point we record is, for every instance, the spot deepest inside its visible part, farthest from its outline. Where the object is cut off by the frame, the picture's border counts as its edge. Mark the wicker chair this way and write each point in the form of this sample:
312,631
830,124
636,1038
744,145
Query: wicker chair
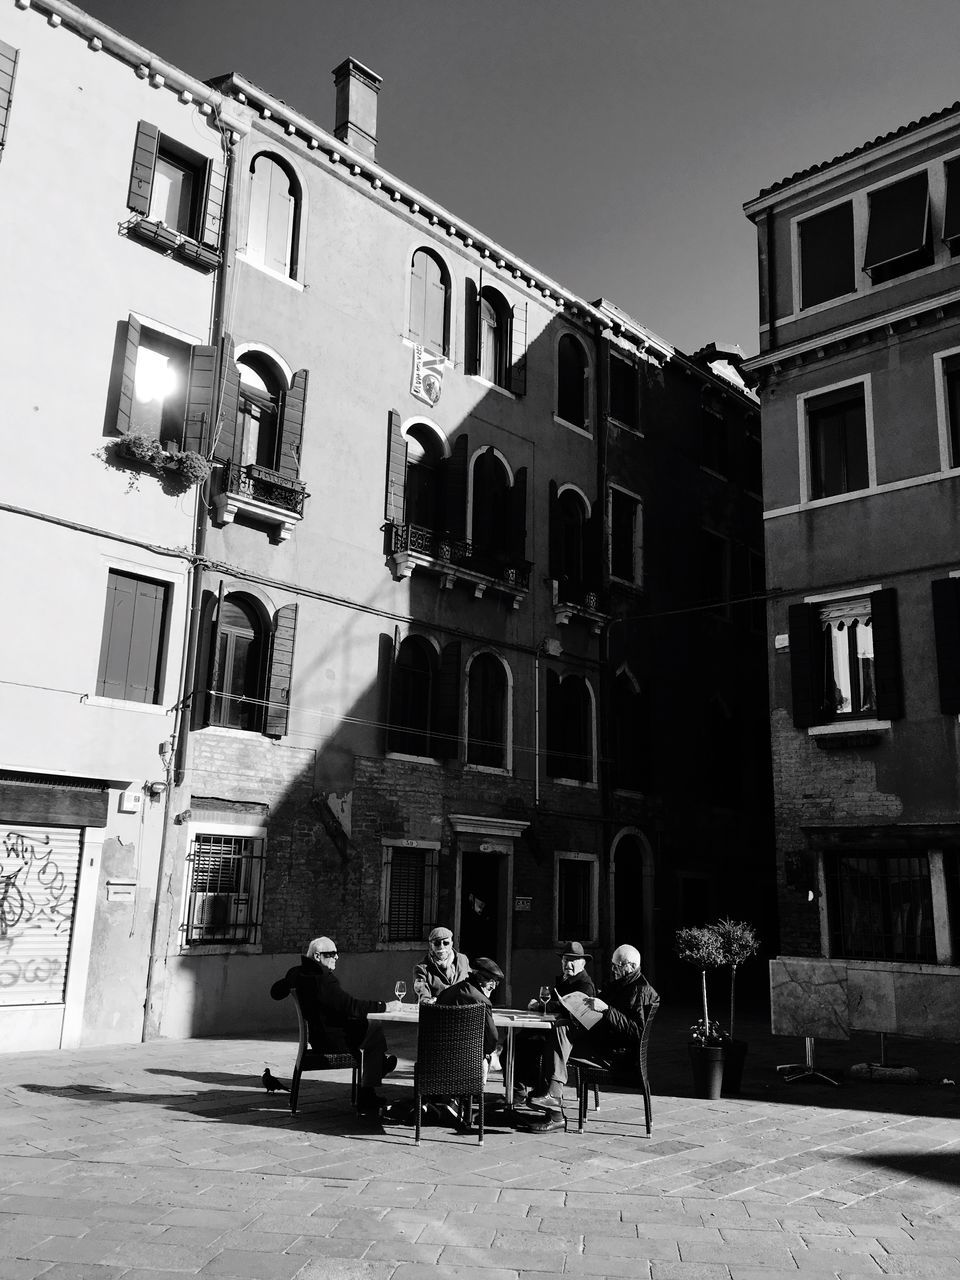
311,1060
591,1075
450,1058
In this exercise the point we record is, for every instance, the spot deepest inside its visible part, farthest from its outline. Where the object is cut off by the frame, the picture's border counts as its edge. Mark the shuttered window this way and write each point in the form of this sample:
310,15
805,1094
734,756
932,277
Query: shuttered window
572,381
429,302
625,527
951,213
898,234
131,649
827,267
8,74
39,868
569,728
487,712
274,216
175,188
408,892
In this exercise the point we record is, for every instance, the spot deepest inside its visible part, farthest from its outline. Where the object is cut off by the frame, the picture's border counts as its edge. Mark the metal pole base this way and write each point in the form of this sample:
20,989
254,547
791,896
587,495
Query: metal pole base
805,1070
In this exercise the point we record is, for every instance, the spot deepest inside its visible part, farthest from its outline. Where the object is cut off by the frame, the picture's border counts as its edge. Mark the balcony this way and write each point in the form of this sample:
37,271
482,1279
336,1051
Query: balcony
455,560
261,495
575,601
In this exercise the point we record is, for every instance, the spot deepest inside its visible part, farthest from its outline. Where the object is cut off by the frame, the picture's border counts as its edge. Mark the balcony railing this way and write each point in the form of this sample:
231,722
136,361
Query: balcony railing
573,600
262,494
412,545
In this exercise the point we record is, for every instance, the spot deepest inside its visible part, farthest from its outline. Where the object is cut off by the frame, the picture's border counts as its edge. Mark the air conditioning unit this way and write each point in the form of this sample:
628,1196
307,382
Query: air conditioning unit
221,915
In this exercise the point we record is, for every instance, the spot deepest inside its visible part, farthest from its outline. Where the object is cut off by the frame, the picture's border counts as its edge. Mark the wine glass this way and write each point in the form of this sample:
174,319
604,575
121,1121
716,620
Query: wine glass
544,997
400,990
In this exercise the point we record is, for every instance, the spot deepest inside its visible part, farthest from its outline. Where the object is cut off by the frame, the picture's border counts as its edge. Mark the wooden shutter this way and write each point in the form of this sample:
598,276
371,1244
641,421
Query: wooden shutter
518,514
144,164
395,490
291,434
453,494
946,629
227,444
128,373
593,548
518,349
806,664
554,555
130,651
387,656
212,699
213,203
198,419
886,654
8,75
554,721
418,293
472,328
445,734
435,306
281,671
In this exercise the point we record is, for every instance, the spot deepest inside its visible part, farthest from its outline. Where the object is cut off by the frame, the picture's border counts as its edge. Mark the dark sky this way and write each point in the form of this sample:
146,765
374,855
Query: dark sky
610,143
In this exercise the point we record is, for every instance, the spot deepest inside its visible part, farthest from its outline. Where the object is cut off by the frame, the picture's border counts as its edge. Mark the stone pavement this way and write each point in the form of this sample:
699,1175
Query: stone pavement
165,1160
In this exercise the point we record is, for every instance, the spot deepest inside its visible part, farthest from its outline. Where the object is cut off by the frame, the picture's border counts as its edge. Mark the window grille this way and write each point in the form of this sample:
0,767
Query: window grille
224,901
407,885
880,907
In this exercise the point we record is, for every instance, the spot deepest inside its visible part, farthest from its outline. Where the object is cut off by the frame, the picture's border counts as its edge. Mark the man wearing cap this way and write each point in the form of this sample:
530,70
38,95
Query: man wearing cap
441,967
529,1068
628,1000
337,1021
477,988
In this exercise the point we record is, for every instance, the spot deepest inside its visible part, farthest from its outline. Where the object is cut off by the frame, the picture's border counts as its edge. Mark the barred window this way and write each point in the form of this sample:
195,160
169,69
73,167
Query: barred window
880,907
224,898
408,893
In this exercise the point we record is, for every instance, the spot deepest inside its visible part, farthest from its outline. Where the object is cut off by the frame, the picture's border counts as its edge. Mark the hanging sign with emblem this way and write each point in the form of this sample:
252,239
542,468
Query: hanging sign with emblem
426,381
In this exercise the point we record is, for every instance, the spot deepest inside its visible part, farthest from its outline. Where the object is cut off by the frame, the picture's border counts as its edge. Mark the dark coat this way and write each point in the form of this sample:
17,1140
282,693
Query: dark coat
579,982
466,993
336,1019
631,1001
429,971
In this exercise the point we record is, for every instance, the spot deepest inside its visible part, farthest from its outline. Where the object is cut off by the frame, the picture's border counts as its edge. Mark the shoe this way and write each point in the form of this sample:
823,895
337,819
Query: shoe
546,1101
549,1124
389,1063
369,1100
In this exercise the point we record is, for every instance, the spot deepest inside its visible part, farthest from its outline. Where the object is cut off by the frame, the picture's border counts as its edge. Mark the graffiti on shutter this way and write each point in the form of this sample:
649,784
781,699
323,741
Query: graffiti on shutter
38,886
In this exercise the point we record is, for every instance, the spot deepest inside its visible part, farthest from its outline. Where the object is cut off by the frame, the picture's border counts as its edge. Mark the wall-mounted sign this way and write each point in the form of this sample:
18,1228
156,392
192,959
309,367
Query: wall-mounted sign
426,381
521,902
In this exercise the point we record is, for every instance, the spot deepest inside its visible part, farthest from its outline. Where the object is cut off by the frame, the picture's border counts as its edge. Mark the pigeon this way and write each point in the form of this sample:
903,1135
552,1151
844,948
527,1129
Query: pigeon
271,1083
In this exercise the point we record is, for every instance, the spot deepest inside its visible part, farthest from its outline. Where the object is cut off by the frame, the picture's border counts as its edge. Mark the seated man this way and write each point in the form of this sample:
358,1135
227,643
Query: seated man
441,967
337,1021
627,1001
477,988
530,1048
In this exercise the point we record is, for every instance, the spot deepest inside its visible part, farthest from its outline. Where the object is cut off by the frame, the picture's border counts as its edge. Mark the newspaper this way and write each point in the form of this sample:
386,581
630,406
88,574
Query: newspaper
578,1007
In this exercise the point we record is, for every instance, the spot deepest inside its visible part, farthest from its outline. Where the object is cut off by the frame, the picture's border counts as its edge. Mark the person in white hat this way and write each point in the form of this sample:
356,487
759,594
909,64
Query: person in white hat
441,967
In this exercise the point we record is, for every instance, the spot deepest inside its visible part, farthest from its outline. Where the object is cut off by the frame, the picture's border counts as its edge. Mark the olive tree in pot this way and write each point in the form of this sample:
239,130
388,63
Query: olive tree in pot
737,941
700,947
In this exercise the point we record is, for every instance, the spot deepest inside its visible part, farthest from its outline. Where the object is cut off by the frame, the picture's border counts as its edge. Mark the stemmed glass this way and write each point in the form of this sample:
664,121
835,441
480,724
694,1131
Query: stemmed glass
544,997
400,990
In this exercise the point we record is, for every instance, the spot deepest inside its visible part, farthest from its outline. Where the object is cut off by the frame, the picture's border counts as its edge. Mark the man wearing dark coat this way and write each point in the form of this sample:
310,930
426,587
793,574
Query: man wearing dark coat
485,975
337,1021
530,1046
625,1004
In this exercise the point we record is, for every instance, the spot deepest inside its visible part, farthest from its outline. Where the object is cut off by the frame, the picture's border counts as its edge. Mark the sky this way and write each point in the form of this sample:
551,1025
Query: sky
609,143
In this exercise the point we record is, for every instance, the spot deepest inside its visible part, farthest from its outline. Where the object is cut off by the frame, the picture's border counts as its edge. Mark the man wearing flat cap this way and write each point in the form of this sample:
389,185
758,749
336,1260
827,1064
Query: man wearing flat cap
530,1046
477,988
441,967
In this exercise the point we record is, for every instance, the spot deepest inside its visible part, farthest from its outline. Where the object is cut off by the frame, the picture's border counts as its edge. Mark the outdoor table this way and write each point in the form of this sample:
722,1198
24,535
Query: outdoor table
513,1020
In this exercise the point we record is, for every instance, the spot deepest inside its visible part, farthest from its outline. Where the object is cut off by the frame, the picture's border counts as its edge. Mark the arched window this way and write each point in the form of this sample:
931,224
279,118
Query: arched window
572,381
423,479
487,712
258,412
429,319
495,320
411,698
571,514
569,728
273,227
629,734
490,527
237,666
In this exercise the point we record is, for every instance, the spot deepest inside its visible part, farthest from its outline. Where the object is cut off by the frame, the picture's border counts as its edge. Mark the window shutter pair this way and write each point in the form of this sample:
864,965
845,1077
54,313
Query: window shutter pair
554,554
200,398
445,730
807,659
518,513
279,665
472,327
145,150
394,499
226,436
946,626
454,489
133,628
518,350
8,76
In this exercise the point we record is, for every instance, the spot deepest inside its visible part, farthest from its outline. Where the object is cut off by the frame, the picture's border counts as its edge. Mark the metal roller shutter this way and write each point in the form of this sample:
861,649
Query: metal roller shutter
38,887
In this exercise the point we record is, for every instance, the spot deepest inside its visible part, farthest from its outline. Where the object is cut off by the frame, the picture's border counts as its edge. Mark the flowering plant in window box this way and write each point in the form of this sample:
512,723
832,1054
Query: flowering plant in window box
138,447
192,468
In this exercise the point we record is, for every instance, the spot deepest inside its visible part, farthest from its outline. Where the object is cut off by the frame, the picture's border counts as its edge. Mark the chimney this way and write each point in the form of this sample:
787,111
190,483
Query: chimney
356,122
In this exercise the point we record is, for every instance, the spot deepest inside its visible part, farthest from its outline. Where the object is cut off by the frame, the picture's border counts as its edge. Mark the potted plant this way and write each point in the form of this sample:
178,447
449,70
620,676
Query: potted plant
700,947
737,941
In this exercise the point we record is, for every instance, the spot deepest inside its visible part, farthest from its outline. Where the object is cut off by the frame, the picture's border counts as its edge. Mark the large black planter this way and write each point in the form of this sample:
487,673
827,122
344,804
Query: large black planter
707,1064
734,1053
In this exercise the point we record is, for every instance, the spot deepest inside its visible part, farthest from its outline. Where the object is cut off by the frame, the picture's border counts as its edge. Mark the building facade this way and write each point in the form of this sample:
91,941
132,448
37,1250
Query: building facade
859,335
458,621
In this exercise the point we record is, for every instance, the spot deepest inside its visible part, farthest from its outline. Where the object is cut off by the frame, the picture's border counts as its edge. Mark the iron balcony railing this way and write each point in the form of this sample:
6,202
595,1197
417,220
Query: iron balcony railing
459,552
261,484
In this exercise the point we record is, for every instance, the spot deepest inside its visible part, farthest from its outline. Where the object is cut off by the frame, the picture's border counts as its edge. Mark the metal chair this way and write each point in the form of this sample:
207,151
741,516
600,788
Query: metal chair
450,1058
313,1060
591,1075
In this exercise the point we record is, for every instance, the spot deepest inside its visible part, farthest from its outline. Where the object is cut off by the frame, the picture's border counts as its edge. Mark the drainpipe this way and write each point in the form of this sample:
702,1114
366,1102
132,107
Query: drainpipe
176,767
603,692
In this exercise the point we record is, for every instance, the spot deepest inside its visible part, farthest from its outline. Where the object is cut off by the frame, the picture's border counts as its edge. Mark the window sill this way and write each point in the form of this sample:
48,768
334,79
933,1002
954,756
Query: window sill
169,241
572,426
412,547
626,426
630,583
126,704
487,768
221,949
848,733
404,758
491,386
574,782
712,471
269,271
224,731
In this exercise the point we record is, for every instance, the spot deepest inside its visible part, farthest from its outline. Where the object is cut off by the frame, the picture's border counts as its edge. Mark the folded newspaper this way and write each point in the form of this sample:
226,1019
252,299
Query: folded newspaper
579,1008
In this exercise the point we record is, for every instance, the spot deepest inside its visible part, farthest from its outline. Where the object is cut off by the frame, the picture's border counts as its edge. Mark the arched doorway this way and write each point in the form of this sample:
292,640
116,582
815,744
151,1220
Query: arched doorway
632,894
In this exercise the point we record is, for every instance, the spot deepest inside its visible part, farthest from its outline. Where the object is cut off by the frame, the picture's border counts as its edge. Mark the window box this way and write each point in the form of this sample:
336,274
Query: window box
263,495
455,560
155,233
198,254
